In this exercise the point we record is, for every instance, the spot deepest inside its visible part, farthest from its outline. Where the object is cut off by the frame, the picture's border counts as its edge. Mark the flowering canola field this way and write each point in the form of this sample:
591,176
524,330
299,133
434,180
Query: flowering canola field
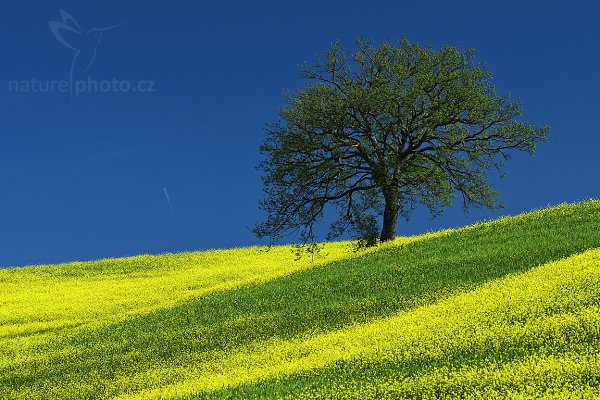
503,309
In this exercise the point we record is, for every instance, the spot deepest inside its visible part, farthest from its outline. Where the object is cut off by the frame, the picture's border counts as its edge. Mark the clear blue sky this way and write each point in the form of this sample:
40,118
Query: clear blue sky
83,176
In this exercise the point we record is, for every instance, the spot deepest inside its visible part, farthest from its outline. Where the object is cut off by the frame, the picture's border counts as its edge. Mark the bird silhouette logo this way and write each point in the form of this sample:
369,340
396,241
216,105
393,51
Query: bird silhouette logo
83,43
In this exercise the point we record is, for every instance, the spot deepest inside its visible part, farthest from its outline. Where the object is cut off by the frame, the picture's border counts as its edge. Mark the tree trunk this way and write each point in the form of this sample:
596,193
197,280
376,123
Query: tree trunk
390,221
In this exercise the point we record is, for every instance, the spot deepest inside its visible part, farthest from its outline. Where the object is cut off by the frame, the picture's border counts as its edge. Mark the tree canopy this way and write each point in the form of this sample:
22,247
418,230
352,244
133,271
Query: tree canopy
381,129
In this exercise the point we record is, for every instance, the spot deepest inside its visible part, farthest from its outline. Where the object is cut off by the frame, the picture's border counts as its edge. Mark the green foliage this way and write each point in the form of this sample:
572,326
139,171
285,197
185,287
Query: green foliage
449,312
385,129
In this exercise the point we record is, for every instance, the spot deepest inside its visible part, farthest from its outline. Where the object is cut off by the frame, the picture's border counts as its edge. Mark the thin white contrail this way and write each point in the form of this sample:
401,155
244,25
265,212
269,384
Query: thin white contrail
168,199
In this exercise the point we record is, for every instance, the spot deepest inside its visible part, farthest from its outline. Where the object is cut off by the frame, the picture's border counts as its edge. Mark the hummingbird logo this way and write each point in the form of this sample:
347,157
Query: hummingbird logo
83,43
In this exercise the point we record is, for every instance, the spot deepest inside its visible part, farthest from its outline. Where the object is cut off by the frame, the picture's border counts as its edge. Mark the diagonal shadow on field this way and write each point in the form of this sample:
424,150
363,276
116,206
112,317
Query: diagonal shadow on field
98,363
534,333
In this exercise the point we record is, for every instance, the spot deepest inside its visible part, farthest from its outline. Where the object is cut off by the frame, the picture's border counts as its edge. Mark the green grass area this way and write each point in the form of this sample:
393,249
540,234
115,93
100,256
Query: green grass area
505,308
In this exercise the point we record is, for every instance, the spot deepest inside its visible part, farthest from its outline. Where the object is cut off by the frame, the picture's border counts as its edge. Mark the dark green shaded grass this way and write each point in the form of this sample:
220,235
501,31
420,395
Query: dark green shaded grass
319,300
352,375
323,383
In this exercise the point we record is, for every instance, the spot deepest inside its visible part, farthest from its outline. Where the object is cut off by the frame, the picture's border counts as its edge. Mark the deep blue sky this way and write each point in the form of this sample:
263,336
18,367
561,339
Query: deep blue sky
83,177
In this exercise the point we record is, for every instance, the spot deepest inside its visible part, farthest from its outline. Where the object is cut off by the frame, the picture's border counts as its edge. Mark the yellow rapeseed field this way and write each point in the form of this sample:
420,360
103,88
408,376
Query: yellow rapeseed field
504,309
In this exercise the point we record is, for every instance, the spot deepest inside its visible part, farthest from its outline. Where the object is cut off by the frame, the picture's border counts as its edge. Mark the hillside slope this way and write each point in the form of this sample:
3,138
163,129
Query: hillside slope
505,308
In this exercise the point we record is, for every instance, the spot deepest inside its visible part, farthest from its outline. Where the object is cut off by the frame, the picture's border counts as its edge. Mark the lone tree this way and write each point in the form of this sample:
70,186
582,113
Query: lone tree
381,130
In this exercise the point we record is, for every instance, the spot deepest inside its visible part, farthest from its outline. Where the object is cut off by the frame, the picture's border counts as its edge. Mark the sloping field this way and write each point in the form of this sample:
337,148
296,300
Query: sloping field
509,308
